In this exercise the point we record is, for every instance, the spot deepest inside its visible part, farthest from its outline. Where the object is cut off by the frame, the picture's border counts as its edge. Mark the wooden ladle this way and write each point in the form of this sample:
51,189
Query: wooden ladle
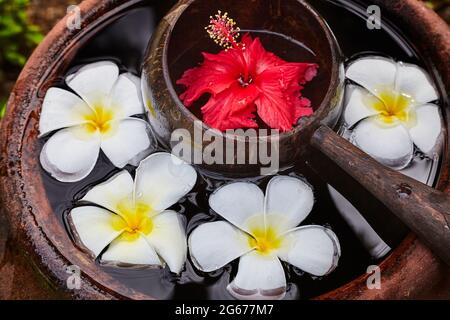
426,211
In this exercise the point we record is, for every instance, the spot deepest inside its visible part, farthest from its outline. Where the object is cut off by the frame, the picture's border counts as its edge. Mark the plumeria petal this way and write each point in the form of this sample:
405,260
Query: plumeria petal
130,138
110,193
61,109
425,134
239,203
126,96
137,252
168,238
94,82
70,155
162,179
373,73
415,82
215,244
288,202
258,277
357,105
313,249
390,145
93,227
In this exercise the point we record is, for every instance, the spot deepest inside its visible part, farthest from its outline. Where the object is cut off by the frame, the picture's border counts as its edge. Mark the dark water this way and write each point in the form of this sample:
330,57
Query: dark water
125,41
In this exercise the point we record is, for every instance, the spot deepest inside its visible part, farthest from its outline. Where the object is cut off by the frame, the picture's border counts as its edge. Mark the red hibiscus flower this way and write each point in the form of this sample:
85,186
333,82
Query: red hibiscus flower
246,79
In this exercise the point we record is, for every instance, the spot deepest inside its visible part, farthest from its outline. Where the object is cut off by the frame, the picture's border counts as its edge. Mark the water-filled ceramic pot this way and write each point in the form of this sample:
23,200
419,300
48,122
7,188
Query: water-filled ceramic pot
410,271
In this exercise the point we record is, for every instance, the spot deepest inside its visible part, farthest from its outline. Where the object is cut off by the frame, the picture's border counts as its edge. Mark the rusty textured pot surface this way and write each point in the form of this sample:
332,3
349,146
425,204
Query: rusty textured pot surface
411,271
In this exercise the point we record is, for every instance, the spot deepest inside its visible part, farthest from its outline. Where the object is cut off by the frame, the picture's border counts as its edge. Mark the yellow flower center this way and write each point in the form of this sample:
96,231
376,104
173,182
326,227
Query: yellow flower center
100,119
393,106
134,219
265,240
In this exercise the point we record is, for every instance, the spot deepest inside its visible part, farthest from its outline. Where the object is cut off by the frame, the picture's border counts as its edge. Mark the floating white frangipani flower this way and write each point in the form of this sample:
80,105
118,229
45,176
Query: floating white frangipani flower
98,118
261,230
132,221
390,111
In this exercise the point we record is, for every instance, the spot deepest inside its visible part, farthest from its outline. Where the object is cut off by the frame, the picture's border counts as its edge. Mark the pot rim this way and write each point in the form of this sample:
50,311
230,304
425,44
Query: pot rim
400,268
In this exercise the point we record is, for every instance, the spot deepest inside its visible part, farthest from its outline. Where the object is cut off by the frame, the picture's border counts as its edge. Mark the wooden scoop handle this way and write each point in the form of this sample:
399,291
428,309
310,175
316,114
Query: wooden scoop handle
426,211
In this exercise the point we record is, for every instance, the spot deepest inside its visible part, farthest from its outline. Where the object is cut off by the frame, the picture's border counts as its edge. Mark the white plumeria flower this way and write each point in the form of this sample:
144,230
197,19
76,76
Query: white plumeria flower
98,118
261,230
390,111
132,222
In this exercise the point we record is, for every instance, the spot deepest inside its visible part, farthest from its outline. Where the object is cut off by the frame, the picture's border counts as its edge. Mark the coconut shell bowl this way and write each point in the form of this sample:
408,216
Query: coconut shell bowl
158,41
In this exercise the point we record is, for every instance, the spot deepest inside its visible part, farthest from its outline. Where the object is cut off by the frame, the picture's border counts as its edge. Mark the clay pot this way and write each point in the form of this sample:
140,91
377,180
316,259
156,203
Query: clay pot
411,271
163,66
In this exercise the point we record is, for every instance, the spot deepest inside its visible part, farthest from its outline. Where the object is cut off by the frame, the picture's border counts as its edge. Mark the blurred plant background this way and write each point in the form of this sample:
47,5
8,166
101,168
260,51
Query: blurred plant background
23,24
17,38
442,7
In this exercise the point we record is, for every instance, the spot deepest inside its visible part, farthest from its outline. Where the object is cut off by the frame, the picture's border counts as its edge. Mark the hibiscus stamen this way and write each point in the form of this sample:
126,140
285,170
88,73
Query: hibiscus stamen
245,81
223,30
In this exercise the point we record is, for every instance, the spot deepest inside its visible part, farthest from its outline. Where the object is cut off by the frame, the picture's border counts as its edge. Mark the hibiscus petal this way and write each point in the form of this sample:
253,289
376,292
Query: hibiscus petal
425,134
313,249
168,238
258,59
288,202
415,82
258,277
69,155
390,145
93,228
213,245
303,109
136,252
217,73
111,192
373,73
231,104
130,139
280,103
238,203
126,96
162,179
94,82
231,109
276,111
61,109
357,106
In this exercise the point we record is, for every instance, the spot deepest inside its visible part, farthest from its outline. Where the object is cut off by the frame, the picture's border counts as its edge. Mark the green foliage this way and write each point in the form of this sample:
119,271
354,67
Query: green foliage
2,108
17,35
437,4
